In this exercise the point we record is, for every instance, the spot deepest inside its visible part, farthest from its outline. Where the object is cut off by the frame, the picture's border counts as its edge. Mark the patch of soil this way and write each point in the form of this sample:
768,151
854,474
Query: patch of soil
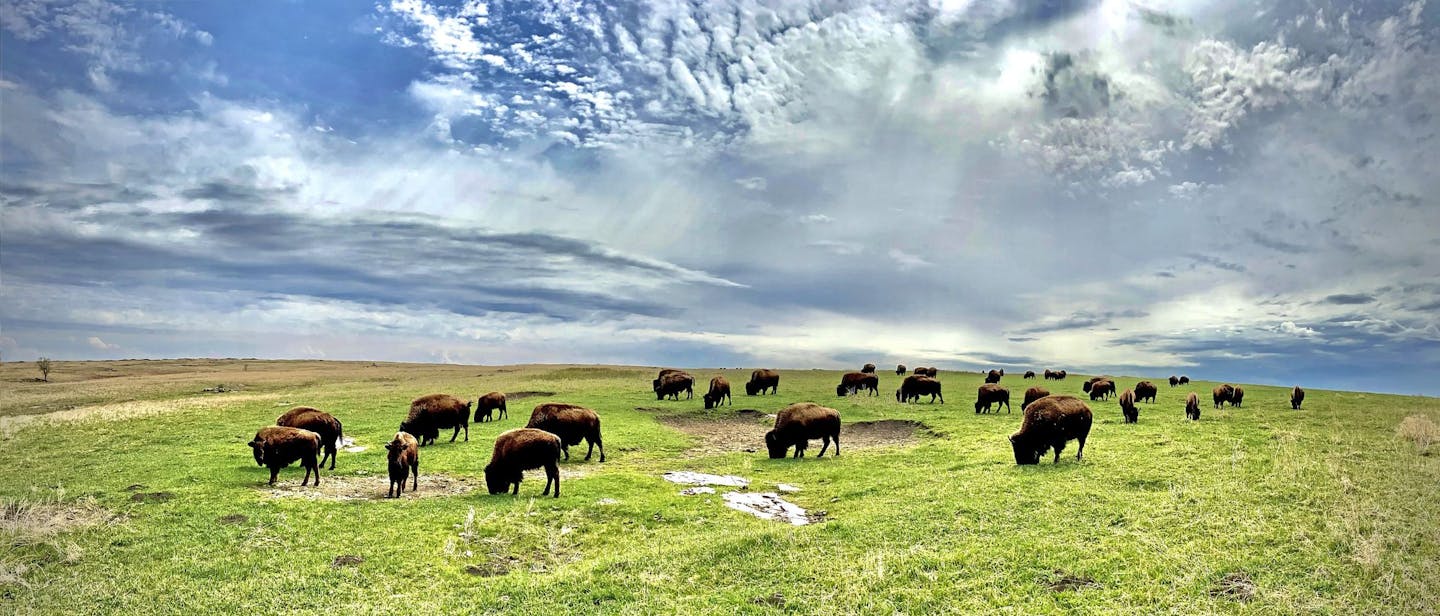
744,431
1236,586
775,600
346,560
494,567
233,518
1062,581
151,497
521,395
373,487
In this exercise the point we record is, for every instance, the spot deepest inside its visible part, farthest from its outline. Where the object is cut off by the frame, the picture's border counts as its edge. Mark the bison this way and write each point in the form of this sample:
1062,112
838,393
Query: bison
1221,394
572,423
1146,391
519,450
797,424
719,391
868,369
486,406
989,394
319,422
1049,423
993,376
1127,406
278,446
852,382
1184,380
1192,407
435,412
1174,380
1033,394
672,384
1102,389
761,380
1297,396
930,372
915,386
1029,374
1237,396
403,455
900,370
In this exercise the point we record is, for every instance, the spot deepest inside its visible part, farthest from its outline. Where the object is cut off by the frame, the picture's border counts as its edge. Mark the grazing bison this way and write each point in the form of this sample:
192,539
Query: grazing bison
1221,394
1127,406
1102,389
435,412
672,384
719,391
1146,391
572,423
797,424
1029,374
1049,423
989,394
520,450
930,372
1297,396
486,406
1174,380
1184,380
1060,376
1033,394
1192,407
868,369
1049,374
915,386
278,446
319,422
993,376
1237,396
852,382
900,370
761,380
403,455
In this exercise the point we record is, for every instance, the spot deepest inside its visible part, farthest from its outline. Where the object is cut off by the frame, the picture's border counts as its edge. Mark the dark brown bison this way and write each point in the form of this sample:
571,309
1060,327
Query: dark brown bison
1297,396
488,404
1102,389
989,394
1060,376
1221,394
852,382
278,446
868,369
1192,407
993,376
1029,374
915,386
1174,380
1127,406
719,391
520,450
1146,391
672,384
435,412
1033,394
761,380
1237,396
319,422
1049,423
572,423
403,455
797,424
1184,380
900,370
930,372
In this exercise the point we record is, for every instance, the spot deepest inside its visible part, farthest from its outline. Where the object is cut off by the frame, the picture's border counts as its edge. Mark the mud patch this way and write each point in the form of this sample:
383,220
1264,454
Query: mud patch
348,488
521,395
346,560
1062,581
1235,586
744,431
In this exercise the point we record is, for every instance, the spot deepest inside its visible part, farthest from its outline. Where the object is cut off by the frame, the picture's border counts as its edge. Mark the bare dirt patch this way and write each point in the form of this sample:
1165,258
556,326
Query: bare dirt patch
1235,586
521,395
346,560
744,431
1062,581
373,487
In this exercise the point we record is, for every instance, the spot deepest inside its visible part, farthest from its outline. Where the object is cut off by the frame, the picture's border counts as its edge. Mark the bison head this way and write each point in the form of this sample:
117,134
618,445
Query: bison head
709,401
841,390
1025,451
750,389
772,443
259,451
979,405
495,481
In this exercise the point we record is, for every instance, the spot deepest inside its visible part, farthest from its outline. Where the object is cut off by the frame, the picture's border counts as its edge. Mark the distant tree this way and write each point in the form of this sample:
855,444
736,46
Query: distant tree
44,365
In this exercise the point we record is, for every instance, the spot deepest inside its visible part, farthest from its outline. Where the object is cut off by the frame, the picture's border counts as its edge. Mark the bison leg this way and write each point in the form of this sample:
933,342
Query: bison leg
1007,407
595,441
516,491
565,449
824,444
457,434
1081,451
1058,447
415,470
274,472
553,471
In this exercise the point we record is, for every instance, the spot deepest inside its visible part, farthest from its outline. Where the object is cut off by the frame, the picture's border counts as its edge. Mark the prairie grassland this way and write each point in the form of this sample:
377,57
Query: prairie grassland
130,489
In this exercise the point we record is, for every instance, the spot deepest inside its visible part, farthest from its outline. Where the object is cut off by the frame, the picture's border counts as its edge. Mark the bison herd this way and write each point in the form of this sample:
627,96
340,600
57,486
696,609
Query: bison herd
1048,421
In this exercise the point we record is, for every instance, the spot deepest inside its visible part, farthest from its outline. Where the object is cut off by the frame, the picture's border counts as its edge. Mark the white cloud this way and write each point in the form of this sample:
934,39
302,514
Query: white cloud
96,343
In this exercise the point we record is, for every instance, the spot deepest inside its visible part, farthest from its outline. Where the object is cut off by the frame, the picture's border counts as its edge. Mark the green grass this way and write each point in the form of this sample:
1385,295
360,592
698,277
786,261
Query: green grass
1324,509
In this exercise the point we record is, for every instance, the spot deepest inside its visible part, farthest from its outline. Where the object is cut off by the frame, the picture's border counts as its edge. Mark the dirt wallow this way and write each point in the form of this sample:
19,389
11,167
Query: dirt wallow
374,486
744,431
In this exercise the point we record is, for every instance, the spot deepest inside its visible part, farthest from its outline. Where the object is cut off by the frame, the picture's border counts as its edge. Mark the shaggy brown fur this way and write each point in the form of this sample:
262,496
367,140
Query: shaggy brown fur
797,424
1145,391
403,454
1049,423
486,406
1237,395
719,391
1060,376
1174,380
672,384
1029,374
519,450
761,380
278,446
868,369
917,385
930,372
1127,406
319,422
1102,389
1033,394
1297,396
1221,394
572,423
989,394
1184,380
1192,407
993,376
435,412
655,384
900,370
852,382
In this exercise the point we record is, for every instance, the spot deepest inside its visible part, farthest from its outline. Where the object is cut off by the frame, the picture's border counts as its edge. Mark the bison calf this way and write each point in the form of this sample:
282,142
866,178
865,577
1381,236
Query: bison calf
488,404
403,454
519,450
1049,423
797,424
279,446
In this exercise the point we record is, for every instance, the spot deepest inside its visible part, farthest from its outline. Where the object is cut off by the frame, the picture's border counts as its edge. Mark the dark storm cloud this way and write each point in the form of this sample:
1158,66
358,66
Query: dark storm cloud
233,192
1347,299
1275,244
1083,320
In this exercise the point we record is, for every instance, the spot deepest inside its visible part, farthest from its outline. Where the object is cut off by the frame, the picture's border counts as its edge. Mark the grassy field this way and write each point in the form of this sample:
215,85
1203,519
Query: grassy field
129,489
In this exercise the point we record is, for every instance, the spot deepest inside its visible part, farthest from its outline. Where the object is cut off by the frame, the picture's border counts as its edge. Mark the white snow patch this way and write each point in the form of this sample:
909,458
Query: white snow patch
705,479
697,490
766,506
785,487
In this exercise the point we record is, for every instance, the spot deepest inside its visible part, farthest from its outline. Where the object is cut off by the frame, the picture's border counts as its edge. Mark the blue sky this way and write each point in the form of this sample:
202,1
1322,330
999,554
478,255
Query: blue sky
1230,190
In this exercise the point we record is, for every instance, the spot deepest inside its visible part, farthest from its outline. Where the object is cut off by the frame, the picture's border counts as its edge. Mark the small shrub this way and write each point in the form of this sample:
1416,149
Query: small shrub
44,365
1420,430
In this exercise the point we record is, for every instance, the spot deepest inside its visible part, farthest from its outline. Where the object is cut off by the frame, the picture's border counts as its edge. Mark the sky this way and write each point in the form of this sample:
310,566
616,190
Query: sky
1231,190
